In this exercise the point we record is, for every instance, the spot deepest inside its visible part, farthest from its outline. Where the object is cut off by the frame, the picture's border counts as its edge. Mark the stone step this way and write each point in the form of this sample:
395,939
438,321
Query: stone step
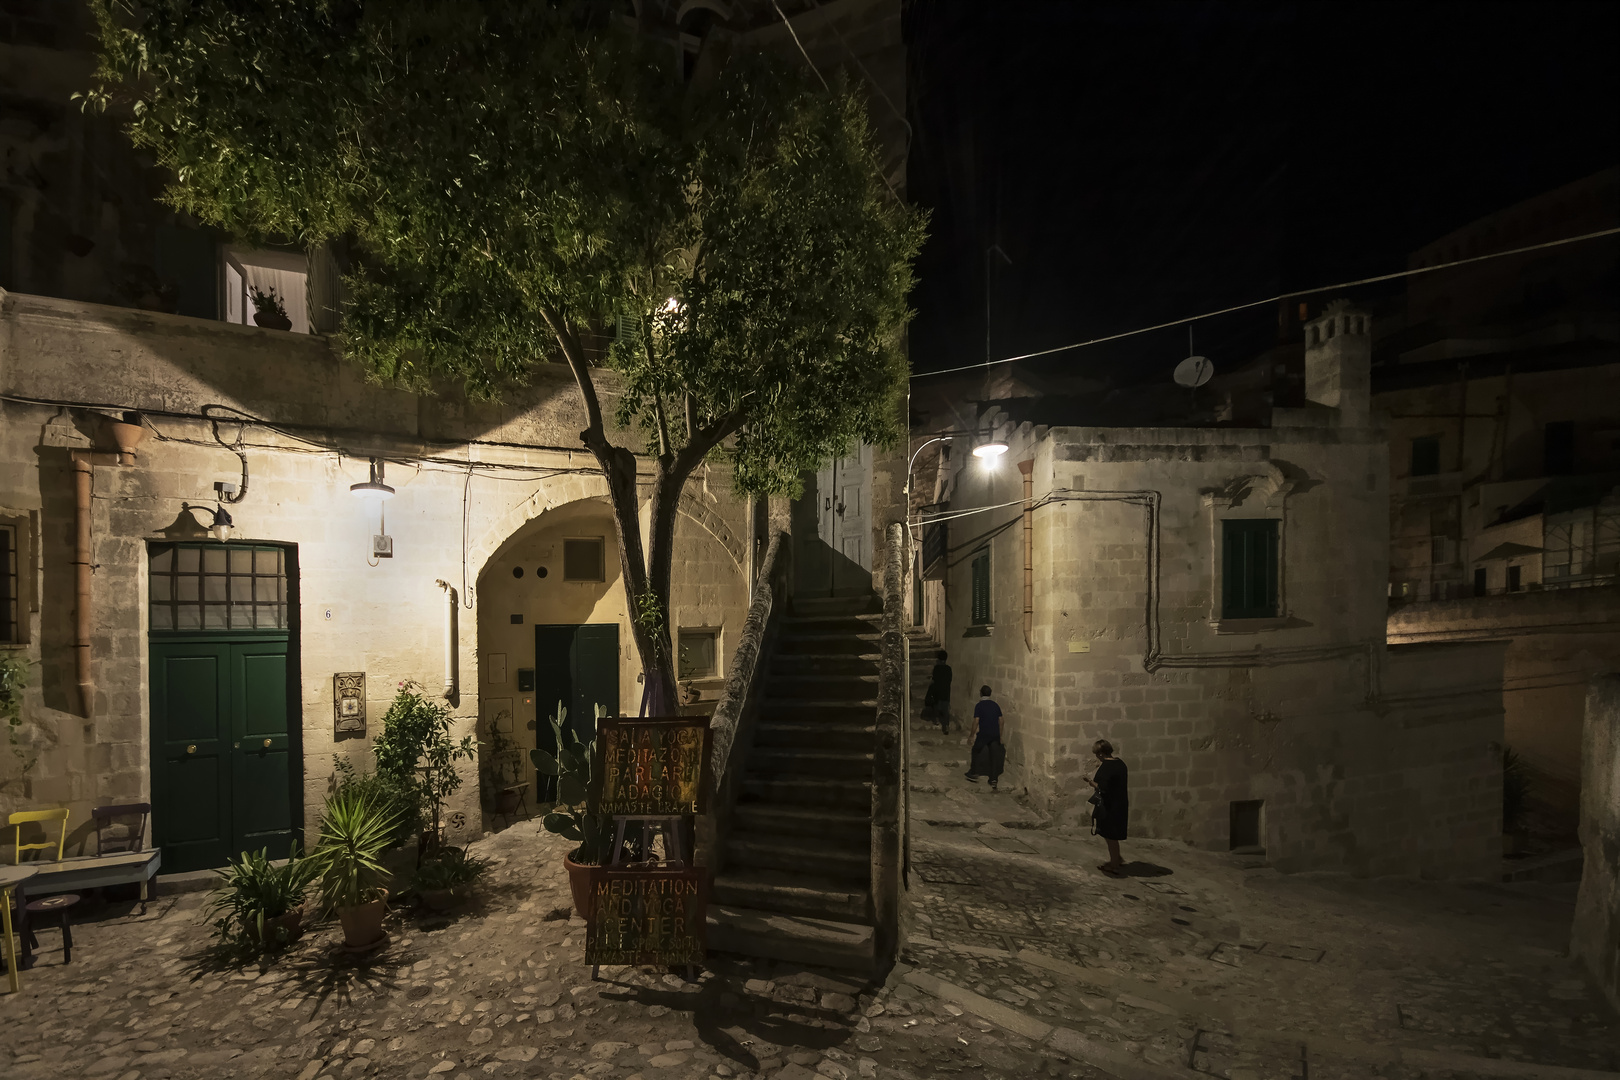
791,761
831,625
817,712
801,665
796,939
793,894
822,687
817,857
831,735
802,791
843,826
829,645
865,604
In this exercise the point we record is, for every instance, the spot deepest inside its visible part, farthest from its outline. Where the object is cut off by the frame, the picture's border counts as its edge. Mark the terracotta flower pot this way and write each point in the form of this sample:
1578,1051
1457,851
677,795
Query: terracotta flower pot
362,924
506,803
271,321
284,929
579,884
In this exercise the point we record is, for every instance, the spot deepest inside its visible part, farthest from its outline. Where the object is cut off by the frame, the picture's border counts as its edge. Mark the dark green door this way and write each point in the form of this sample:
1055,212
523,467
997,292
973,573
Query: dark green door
578,665
226,757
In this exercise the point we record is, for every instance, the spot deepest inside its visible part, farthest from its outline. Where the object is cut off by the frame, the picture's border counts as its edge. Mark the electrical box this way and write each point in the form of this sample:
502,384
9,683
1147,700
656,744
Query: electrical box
382,547
525,679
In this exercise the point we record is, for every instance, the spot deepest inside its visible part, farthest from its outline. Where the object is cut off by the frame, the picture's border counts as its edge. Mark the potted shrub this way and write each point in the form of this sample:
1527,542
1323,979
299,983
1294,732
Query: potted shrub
445,881
416,753
355,830
260,904
572,766
268,309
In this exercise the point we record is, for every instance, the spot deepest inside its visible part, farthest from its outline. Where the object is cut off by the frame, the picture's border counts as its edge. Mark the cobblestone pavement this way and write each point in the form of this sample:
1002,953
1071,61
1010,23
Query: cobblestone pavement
1196,961
499,990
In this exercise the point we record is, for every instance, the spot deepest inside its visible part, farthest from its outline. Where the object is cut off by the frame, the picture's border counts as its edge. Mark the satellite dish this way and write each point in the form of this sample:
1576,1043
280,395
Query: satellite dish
1194,371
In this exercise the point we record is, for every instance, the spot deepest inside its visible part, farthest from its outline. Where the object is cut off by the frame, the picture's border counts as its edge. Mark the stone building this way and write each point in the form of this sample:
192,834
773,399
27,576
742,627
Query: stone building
1502,384
1211,599
218,673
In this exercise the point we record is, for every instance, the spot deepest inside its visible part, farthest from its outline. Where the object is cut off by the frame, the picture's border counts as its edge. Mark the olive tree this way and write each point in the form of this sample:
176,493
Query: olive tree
508,178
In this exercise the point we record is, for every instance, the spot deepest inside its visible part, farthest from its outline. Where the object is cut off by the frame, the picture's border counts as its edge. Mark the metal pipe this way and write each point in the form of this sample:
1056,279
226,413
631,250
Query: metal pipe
81,574
1028,469
449,638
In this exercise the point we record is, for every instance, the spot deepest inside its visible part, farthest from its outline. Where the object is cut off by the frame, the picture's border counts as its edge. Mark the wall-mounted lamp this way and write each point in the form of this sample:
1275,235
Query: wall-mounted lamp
222,524
373,488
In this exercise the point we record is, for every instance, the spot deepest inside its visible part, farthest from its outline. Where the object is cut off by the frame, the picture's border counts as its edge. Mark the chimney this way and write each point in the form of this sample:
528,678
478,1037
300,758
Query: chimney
1338,362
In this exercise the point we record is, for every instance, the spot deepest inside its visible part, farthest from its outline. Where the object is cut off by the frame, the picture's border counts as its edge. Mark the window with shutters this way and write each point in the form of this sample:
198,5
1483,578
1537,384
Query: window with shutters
1249,568
1426,455
981,588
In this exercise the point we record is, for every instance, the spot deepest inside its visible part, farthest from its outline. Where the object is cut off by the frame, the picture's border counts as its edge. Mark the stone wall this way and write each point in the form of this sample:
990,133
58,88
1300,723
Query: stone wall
1366,760
470,478
1595,936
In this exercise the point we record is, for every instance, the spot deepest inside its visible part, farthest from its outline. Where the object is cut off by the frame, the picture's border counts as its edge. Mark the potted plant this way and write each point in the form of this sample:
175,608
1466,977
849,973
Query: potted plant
415,752
355,830
572,765
268,309
260,904
498,777
445,881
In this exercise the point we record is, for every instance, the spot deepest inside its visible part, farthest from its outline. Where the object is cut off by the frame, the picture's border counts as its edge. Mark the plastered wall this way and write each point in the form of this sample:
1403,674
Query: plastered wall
470,479
1366,760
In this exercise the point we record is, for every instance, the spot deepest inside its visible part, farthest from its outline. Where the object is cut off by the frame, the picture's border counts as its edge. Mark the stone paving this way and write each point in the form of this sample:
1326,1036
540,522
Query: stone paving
498,990
1201,961
1023,961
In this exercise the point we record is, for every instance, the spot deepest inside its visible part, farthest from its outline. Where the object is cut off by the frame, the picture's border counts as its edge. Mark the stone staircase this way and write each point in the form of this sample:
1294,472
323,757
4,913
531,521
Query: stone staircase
797,879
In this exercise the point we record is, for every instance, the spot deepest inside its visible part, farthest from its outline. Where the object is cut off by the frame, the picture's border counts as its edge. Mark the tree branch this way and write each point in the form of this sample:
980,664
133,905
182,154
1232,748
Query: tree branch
691,419
663,426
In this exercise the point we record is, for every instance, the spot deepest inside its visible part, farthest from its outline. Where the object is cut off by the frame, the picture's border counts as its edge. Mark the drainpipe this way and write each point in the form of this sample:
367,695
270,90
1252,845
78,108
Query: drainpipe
449,638
127,433
1028,469
81,574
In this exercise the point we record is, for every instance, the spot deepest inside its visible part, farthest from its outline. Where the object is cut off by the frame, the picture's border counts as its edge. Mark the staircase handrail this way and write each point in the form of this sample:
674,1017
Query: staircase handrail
888,758
736,714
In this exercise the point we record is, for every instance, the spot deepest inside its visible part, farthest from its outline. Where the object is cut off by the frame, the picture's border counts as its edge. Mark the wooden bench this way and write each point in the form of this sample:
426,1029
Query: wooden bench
119,860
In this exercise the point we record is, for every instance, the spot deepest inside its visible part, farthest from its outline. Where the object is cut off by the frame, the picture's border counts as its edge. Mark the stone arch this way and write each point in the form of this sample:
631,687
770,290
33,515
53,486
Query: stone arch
549,495
709,520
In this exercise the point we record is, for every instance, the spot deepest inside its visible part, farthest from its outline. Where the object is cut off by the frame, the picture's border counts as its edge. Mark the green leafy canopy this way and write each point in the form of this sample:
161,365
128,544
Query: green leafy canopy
505,176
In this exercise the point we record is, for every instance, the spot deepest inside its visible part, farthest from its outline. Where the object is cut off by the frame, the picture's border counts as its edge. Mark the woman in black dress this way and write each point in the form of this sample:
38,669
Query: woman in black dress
1113,804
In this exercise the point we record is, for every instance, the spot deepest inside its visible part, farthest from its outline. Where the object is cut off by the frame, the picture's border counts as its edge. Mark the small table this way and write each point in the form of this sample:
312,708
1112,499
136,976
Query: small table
10,878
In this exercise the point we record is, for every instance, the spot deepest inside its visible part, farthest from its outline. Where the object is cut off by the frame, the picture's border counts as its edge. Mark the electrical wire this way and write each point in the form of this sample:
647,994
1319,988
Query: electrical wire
1271,300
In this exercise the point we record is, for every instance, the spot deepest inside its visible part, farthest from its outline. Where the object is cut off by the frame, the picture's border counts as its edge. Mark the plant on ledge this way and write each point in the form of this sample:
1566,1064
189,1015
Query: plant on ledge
268,309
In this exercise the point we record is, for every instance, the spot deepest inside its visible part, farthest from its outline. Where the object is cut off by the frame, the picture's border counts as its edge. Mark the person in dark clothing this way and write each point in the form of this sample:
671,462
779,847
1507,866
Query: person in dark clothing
1111,804
986,736
939,694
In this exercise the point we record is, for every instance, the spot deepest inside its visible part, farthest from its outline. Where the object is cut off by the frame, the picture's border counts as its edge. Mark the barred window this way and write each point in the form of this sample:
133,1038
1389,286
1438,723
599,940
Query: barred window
10,616
218,587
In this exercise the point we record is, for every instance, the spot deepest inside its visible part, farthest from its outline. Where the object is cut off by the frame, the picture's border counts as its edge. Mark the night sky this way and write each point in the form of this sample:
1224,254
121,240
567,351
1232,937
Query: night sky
1150,160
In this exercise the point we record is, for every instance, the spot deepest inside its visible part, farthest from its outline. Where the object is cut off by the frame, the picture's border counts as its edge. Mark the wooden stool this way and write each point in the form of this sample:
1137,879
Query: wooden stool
53,905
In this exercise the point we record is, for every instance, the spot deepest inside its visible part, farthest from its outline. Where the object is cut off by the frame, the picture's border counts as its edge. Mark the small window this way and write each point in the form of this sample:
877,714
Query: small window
582,560
1514,581
981,588
1246,829
1426,455
1479,581
1249,568
1559,448
10,586
697,654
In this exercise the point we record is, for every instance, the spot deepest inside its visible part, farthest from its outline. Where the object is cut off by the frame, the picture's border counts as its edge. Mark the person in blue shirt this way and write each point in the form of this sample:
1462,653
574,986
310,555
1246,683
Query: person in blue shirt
986,736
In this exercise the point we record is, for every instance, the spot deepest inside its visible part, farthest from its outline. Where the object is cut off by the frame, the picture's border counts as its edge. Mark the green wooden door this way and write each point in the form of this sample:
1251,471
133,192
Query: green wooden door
578,665
191,758
223,771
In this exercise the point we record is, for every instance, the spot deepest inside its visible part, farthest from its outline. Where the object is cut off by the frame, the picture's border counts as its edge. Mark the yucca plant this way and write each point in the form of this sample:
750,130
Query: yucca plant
252,891
572,765
356,828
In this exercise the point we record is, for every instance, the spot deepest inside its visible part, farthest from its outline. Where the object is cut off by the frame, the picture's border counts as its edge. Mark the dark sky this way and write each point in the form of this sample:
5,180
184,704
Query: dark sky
1148,160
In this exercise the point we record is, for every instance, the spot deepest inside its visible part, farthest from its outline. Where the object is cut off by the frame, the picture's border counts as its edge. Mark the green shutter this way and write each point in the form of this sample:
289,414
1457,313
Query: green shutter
981,588
1249,568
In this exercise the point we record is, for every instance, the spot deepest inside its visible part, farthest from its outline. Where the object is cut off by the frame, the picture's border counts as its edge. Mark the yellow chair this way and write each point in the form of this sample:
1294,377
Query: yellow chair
24,817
